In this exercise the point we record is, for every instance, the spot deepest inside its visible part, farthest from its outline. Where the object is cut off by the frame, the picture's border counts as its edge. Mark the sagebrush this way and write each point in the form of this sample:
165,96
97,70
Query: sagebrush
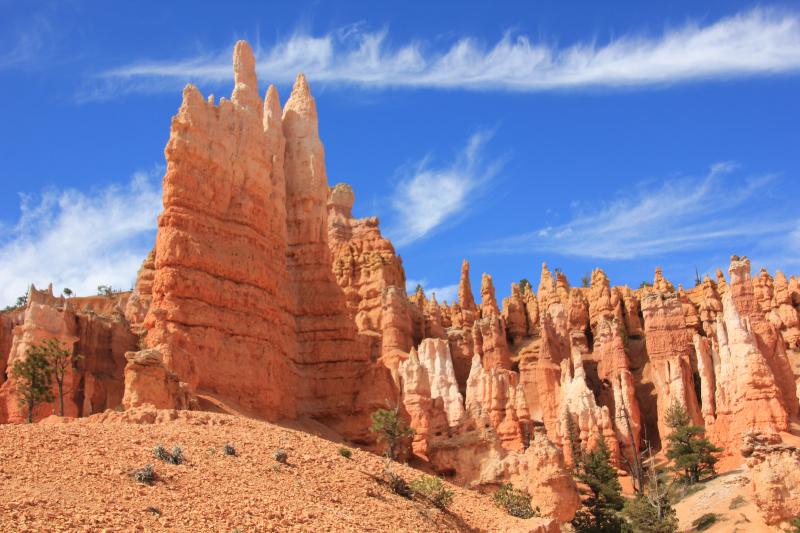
434,490
516,502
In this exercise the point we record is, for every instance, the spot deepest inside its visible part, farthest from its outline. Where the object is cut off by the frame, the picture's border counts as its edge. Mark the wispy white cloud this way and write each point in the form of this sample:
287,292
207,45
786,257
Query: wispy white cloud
755,42
675,215
446,293
80,240
432,197
22,46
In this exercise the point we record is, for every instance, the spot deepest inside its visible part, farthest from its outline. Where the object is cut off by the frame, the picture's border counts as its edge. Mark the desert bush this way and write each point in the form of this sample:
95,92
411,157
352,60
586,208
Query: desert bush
516,502
705,521
145,475
794,524
153,509
398,485
434,490
161,453
281,456
177,455
345,452
228,449
174,458
651,513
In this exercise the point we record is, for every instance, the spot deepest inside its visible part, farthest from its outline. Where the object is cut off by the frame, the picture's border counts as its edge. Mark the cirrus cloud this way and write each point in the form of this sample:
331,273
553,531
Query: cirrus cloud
755,42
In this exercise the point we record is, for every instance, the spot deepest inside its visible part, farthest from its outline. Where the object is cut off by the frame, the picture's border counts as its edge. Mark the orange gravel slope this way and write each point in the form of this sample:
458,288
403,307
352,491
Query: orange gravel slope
74,475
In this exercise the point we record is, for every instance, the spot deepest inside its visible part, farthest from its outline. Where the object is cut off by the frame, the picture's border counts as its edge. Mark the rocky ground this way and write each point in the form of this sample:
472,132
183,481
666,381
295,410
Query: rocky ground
75,475
729,498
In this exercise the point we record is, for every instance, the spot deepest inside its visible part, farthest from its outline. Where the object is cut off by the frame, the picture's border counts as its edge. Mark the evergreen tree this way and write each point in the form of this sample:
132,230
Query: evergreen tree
524,286
390,428
60,360
33,377
573,439
601,511
692,454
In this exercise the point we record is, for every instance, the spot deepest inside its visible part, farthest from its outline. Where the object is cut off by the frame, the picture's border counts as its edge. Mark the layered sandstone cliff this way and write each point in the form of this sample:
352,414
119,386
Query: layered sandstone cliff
242,303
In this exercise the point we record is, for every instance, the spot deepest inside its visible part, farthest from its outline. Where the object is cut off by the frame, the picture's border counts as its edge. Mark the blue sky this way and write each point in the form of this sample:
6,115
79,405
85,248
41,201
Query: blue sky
623,136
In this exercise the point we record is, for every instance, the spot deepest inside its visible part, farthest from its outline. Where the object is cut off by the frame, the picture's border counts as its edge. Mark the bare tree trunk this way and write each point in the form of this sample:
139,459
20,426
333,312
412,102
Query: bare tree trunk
61,397
636,464
30,410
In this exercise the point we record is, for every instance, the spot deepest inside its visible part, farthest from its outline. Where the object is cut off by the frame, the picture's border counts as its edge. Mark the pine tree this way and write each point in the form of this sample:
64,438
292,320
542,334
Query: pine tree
33,377
573,439
601,512
692,454
60,360
386,423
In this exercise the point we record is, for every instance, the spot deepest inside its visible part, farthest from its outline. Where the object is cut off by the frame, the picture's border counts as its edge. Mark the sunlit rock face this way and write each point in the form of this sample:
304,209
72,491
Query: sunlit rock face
775,473
245,306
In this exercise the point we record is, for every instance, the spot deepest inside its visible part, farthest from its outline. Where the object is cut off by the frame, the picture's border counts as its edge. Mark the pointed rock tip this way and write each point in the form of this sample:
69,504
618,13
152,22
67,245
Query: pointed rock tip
300,105
300,83
300,92
272,107
272,96
244,62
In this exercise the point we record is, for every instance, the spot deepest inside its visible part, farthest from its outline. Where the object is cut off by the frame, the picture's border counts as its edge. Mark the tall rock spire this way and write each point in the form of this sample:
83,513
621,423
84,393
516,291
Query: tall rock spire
300,112
488,300
272,111
245,90
465,298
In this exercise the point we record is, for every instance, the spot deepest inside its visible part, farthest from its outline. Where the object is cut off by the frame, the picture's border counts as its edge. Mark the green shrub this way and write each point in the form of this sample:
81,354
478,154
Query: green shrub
281,456
651,514
705,522
145,475
345,452
516,502
794,523
434,490
228,449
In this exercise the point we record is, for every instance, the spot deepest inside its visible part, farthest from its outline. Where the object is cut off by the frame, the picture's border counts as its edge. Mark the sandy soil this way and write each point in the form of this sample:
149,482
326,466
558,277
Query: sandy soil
727,496
75,475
